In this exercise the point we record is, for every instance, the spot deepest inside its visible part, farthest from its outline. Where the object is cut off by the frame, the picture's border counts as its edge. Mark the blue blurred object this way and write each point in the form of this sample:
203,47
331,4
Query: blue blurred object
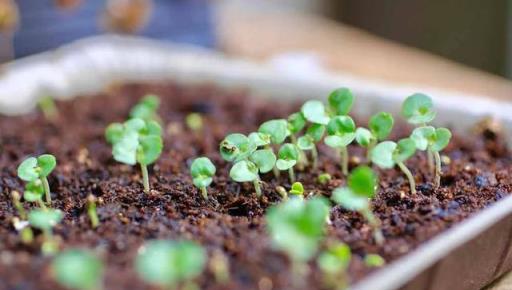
43,26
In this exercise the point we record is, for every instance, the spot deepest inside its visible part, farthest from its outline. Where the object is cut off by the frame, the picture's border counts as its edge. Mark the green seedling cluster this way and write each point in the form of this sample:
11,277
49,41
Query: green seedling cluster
202,171
334,262
380,126
171,264
78,269
35,170
45,220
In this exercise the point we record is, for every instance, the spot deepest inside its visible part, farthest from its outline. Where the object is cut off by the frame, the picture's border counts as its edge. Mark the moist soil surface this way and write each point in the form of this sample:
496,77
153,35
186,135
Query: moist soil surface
231,222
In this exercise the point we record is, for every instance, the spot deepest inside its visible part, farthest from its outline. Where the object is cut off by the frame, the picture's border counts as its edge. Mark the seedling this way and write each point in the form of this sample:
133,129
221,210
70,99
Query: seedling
341,131
236,147
313,135
146,109
91,211
78,269
34,192
380,126
48,107
202,171
314,112
194,122
296,122
324,178
374,260
418,109
334,263
297,189
33,169
434,140
361,187
288,157
387,154
171,264
276,131
296,227
340,102
136,141
45,220
21,225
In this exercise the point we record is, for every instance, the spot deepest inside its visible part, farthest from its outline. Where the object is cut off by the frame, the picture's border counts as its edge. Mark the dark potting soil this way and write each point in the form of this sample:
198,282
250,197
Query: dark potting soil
231,221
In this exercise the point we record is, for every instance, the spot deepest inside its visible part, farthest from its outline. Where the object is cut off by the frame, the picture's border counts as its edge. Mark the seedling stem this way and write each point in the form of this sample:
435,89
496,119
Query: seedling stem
292,174
145,177
438,172
257,187
409,175
91,211
46,187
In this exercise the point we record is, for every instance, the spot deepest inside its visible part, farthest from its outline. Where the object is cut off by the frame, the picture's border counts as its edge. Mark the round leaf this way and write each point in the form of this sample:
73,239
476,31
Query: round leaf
314,112
442,138
34,191
202,171
349,200
404,150
46,164
418,109
423,137
27,170
236,147
363,181
259,139
244,171
340,101
276,129
339,141
297,189
305,142
114,132
288,156
382,154
381,125
149,149
335,259
125,150
316,131
364,137
341,131
78,269
44,219
264,159
282,164
296,122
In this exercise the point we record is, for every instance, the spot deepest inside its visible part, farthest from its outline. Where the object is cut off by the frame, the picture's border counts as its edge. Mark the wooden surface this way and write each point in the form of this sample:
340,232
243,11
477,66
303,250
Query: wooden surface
259,32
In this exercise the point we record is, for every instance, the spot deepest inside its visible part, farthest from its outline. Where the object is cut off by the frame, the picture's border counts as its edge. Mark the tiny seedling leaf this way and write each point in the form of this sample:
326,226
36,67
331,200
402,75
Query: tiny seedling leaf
44,219
314,112
381,125
78,269
296,122
264,159
297,189
244,171
363,181
259,139
364,137
418,109
340,101
236,147
341,131
202,171
288,156
276,129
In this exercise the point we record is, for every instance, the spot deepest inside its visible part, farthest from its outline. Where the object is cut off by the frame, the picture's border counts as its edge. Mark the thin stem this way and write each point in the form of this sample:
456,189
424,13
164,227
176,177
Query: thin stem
437,180
47,192
145,177
408,173
276,171
314,154
257,187
292,174
375,224
369,152
430,159
41,204
204,193
91,211
344,160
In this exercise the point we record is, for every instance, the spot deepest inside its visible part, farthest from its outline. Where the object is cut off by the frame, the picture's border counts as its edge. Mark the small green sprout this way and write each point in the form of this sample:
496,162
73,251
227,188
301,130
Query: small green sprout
33,169
34,192
341,131
374,260
91,211
171,264
194,122
296,122
387,154
380,126
146,109
334,263
340,102
202,171
288,156
434,140
260,139
236,147
296,227
324,178
276,129
297,189
314,112
361,187
78,269
48,107
136,141
45,220
418,109
313,135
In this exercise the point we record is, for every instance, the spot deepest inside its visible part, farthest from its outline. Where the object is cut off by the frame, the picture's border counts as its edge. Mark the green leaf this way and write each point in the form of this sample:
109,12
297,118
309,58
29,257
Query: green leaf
114,132
78,269
423,137
341,131
135,125
194,121
264,159
297,226
296,122
44,219
374,260
364,137
46,163
305,142
202,171
288,156
418,109
34,191
381,125
236,147
146,108
169,263
27,170
404,150
382,154
150,148
314,112
441,140
297,189
125,150
340,101
363,181
350,200
316,131
276,129
244,171
152,128
259,139
335,259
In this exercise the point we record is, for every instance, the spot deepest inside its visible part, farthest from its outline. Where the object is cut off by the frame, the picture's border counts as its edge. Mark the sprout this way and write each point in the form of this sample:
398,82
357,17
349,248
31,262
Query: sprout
146,109
48,107
236,147
324,178
170,263
16,201
380,126
22,226
260,139
136,141
374,260
297,189
361,187
78,269
45,220
296,122
314,112
340,101
341,131
418,109
91,211
34,193
33,169
313,135
334,263
202,171
194,122
276,129
296,227
288,157
388,154
433,140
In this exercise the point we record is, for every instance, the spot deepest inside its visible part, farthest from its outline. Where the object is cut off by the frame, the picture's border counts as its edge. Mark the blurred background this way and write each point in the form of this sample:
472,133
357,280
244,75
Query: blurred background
463,45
